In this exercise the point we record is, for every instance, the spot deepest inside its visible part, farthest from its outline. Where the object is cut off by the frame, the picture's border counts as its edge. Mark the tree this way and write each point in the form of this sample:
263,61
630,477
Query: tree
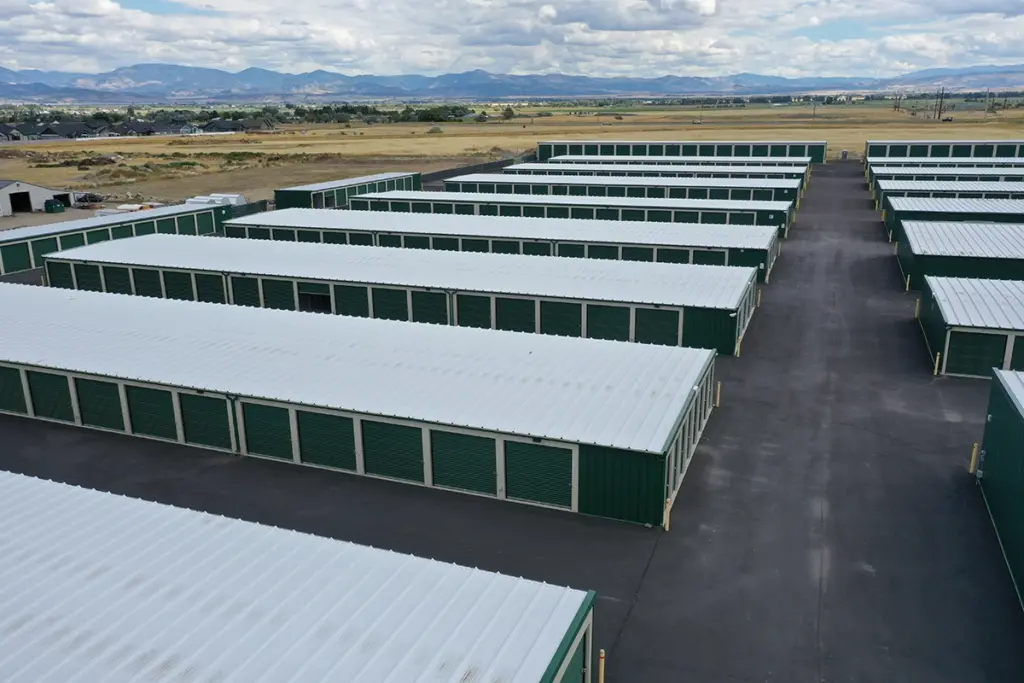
509,113
481,118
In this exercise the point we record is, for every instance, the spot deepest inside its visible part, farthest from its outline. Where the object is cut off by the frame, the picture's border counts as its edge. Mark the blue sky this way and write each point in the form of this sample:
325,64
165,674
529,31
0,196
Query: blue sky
592,37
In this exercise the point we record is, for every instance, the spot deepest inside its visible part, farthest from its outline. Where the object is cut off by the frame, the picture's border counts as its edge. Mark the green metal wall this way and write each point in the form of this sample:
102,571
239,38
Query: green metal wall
524,184
933,326
705,328
974,353
816,151
956,266
622,484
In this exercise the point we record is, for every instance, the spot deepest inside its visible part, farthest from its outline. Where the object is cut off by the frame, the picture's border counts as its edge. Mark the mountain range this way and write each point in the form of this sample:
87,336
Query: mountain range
168,83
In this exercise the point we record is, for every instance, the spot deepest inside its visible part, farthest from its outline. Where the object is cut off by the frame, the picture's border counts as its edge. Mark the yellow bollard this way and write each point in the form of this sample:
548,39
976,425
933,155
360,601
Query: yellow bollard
890,235
896,248
759,295
917,309
600,667
974,459
739,347
937,357
908,284
718,395
668,513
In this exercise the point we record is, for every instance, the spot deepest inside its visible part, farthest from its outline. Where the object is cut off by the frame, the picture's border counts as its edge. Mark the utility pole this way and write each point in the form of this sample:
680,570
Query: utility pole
942,96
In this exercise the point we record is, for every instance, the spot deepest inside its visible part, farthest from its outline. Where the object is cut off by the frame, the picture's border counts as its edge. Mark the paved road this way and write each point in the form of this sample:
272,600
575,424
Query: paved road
827,530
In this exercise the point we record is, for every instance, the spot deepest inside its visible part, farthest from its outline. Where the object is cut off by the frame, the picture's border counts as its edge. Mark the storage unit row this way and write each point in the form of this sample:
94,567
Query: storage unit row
23,249
959,149
1001,468
737,189
651,303
972,326
817,151
595,427
801,173
897,210
956,174
956,162
144,591
717,211
949,188
742,245
954,249
337,193
782,161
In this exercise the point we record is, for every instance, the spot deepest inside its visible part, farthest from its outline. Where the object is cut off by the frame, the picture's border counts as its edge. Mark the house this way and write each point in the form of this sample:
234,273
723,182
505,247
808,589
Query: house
239,126
9,133
19,197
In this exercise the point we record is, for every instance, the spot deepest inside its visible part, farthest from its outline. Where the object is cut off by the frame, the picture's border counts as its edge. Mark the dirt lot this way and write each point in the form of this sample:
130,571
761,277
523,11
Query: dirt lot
22,220
174,168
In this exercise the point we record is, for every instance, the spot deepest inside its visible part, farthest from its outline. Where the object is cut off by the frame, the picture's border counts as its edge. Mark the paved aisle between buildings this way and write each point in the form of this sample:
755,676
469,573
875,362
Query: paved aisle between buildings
827,529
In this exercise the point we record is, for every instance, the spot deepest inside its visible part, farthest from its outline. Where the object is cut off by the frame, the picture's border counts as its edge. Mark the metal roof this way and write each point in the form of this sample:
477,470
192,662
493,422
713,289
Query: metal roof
602,141
346,182
667,284
941,170
946,142
1013,382
627,181
956,205
607,393
101,587
975,240
567,200
947,161
513,227
649,168
20,234
988,304
5,183
949,186
723,161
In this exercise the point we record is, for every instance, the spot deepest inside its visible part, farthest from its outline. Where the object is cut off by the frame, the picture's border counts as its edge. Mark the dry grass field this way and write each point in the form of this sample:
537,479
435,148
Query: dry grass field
174,168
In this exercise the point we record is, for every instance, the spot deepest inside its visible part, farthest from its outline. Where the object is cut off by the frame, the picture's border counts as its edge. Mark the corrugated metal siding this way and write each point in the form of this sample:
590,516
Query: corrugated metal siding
463,461
710,329
974,353
346,182
267,431
991,304
327,440
955,205
682,159
51,396
579,201
950,238
205,420
391,450
353,613
12,394
99,404
948,186
105,222
724,169
539,474
151,412
622,485
625,181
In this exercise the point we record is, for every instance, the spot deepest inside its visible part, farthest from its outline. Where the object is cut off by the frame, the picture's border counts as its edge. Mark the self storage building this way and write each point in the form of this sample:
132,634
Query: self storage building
651,303
684,161
957,149
961,162
336,193
969,250
719,211
801,173
144,591
742,245
594,427
948,174
971,326
951,189
897,210
22,249
1001,468
817,151
739,189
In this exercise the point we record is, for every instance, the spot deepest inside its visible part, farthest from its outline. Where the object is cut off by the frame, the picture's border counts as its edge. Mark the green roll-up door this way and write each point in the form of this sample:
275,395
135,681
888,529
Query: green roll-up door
637,254
259,233
96,236
973,353
205,420
147,282
118,279
99,404
16,257
446,243
149,227
327,440
335,237
187,225
245,291
473,311
540,474
709,257
121,232
515,315
390,304
389,240
537,248
75,239
391,450
51,396
1017,358
88,277
283,235
505,246
151,412
480,246
463,461
430,307
12,395
666,255
210,288
268,431
351,300
561,318
59,275
603,251
166,226
204,223
657,326
571,250
417,242
311,236
279,294
41,248
178,285
608,322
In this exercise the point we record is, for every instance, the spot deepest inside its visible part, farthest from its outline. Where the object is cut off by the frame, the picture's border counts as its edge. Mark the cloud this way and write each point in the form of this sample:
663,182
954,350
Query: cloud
596,38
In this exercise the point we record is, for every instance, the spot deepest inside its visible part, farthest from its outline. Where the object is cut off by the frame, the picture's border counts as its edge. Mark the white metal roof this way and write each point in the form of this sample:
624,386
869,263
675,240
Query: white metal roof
949,186
667,284
965,162
651,168
989,304
626,181
628,396
721,161
602,141
1013,381
566,200
32,232
978,240
514,227
946,142
101,587
346,182
957,205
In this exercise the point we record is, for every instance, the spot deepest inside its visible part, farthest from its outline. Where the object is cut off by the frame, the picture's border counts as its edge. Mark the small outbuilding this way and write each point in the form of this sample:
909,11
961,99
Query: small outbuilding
335,194
18,197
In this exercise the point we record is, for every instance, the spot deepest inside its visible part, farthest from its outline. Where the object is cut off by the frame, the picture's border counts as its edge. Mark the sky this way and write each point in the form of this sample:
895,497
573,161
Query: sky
871,38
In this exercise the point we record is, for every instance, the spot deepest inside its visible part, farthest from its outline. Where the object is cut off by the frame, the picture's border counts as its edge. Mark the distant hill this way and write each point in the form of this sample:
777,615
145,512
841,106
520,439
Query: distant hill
166,83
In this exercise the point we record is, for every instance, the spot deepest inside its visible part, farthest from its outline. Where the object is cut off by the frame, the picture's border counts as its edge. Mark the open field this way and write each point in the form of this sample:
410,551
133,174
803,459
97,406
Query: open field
173,168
